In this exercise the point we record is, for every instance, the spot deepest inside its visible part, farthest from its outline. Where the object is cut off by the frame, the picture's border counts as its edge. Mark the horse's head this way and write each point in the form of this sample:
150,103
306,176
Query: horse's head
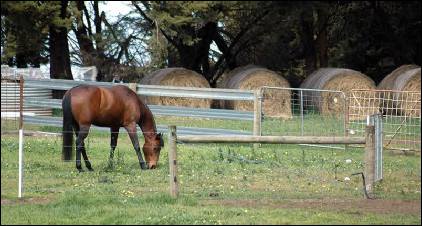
151,149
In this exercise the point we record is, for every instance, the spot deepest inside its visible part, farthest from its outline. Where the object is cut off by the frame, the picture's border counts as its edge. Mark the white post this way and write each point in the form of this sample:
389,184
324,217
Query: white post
20,187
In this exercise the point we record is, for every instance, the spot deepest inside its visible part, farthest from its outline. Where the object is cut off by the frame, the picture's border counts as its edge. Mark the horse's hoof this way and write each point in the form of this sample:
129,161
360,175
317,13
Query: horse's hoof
81,170
144,166
91,169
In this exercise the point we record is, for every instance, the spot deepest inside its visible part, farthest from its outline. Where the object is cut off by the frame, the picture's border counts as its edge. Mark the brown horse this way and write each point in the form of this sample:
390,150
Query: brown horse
114,107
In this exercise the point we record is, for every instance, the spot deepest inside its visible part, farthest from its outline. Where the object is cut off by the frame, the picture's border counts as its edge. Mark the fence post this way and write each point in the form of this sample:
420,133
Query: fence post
257,120
301,113
133,86
346,117
20,183
174,187
369,157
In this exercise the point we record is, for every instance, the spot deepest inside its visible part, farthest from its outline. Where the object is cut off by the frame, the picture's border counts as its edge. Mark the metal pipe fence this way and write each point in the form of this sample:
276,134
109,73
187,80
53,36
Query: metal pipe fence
159,110
276,111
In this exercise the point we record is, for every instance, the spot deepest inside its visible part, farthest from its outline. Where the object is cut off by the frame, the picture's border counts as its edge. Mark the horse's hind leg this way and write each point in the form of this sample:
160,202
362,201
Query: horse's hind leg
80,148
131,130
113,143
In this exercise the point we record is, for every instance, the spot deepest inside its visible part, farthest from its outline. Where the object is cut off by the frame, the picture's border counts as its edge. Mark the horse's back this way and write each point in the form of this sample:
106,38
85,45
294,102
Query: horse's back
85,100
102,106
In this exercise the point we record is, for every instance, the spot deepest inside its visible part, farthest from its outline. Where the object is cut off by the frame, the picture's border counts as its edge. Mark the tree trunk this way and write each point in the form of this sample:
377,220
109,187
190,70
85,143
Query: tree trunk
196,56
308,42
86,45
102,66
59,52
321,41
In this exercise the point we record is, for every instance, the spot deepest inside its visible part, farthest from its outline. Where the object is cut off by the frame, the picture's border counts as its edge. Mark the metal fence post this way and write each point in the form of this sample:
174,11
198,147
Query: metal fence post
376,121
301,113
345,117
174,187
369,157
257,114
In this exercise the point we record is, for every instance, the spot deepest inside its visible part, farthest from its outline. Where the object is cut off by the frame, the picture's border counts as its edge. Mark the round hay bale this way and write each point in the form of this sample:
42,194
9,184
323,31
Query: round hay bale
177,77
276,103
406,79
333,103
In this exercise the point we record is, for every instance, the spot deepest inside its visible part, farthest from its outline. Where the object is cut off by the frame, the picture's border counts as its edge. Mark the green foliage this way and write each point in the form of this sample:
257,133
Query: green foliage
182,19
210,37
376,37
25,31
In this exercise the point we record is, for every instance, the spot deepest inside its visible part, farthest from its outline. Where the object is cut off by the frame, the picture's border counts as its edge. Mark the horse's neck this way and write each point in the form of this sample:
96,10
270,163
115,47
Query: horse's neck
147,124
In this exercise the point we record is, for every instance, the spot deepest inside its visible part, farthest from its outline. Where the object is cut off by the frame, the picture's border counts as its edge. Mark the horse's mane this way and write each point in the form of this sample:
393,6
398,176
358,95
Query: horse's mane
145,114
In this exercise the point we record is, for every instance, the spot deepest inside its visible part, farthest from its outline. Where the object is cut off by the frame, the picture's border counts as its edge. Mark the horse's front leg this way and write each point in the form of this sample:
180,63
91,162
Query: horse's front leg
80,148
131,130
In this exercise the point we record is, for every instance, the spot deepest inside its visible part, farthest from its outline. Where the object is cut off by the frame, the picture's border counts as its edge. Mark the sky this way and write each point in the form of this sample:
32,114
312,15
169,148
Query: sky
113,8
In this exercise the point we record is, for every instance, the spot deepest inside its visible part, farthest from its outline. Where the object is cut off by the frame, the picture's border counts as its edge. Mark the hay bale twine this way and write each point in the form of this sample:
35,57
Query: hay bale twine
407,80
333,103
176,77
276,103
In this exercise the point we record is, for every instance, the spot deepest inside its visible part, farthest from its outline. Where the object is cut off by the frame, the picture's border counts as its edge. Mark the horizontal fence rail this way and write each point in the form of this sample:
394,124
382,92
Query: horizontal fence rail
63,84
369,140
148,90
57,122
272,139
161,110
191,92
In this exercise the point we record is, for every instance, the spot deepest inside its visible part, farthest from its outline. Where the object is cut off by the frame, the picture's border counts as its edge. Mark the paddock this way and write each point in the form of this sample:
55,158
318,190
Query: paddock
235,175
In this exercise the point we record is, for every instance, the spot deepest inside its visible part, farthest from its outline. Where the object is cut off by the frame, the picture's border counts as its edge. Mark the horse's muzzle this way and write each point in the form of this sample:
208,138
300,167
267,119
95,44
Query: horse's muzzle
152,166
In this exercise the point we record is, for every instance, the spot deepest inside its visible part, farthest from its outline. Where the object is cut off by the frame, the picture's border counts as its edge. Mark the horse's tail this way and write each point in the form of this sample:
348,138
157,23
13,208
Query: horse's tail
67,132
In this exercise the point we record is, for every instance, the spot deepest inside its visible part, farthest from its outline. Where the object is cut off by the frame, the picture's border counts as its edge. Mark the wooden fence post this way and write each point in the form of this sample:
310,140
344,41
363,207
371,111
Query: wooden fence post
369,157
133,86
174,186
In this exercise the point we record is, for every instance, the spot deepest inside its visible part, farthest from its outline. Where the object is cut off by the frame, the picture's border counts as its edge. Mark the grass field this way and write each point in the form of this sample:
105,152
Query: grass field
219,184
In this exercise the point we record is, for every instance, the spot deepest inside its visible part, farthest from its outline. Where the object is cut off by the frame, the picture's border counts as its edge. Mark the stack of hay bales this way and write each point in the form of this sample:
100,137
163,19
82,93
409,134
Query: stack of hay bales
332,103
407,80
276,103
176,77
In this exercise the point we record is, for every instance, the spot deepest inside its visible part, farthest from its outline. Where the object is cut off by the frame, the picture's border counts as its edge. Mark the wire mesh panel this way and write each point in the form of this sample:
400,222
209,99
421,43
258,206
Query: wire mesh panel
311,112
274,172
401,112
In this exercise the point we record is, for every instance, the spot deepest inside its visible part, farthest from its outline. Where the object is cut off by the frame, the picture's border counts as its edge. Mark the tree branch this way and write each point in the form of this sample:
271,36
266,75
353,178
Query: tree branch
152,23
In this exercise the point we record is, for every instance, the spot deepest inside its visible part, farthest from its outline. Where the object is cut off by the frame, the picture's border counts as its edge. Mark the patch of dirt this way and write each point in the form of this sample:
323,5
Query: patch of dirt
349,206
35,200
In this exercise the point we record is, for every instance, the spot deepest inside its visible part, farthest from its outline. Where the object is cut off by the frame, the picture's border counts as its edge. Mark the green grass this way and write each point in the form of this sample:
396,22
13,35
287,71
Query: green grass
219,184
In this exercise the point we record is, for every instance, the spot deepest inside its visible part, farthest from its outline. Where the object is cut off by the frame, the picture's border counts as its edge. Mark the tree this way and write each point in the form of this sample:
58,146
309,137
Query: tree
376,37
34,41
115,48
58,43
23,40
191,27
